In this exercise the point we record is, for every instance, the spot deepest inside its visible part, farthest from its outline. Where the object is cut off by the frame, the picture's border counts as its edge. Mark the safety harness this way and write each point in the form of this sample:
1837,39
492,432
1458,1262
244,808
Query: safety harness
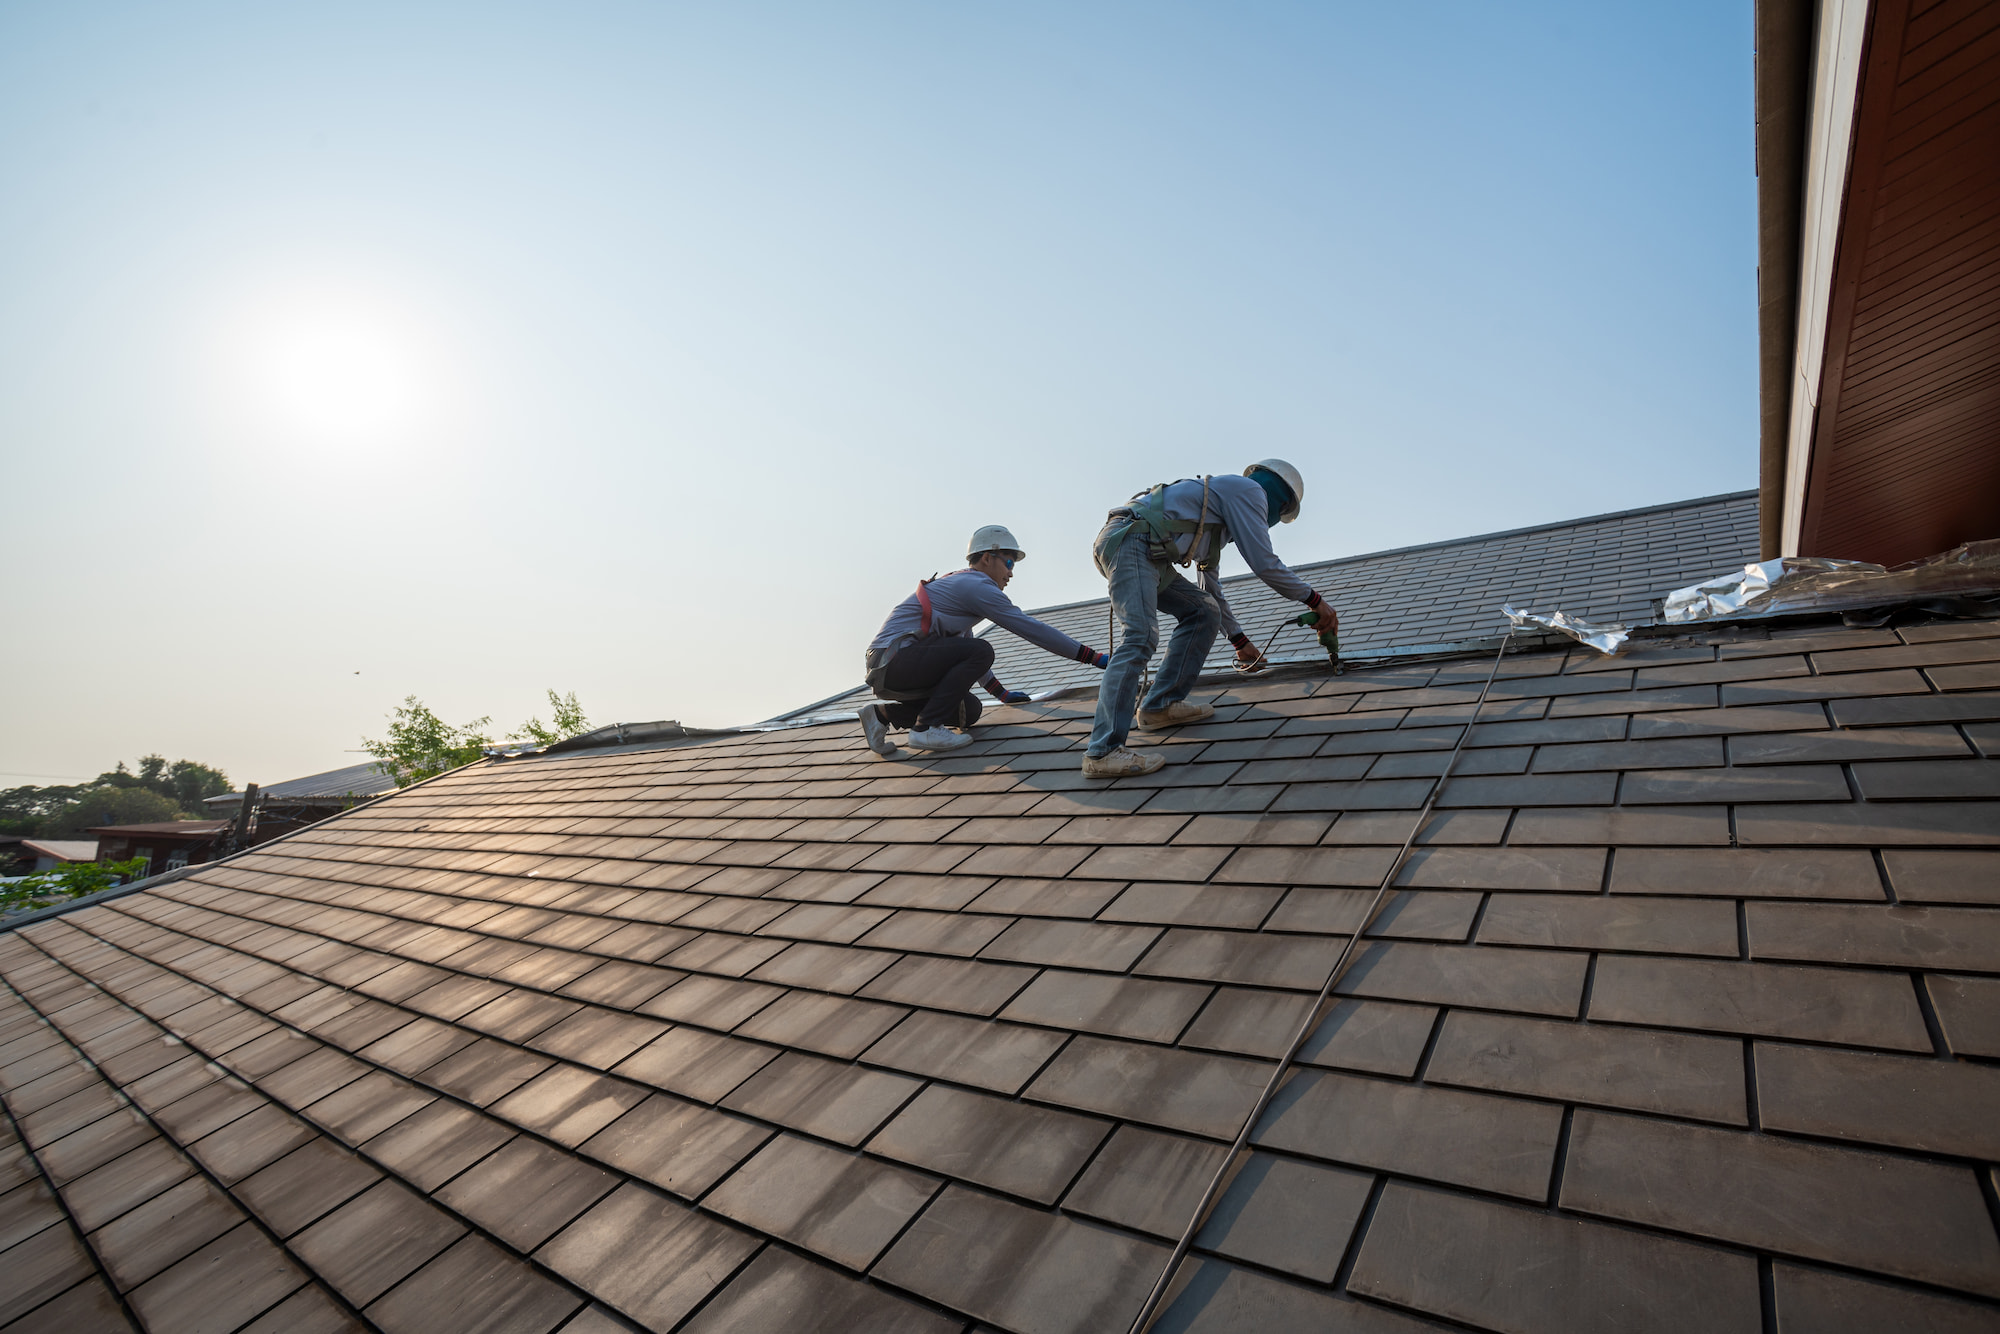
1147,513
878,659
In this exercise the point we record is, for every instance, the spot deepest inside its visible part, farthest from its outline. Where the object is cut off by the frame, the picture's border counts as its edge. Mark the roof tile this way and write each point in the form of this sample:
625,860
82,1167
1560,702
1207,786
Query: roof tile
563,879
1875,1212
1462,1258
646,1255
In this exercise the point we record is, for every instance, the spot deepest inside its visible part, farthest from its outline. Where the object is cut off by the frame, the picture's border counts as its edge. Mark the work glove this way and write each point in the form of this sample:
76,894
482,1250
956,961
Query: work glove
1101,661
1015,697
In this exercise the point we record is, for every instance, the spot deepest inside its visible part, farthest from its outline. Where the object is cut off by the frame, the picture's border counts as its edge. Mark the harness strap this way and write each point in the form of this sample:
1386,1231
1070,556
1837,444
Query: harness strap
1149,510
1194,547
878,659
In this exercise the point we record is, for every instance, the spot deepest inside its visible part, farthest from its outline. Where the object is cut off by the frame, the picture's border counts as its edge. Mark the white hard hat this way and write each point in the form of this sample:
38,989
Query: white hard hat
1289,475
993,537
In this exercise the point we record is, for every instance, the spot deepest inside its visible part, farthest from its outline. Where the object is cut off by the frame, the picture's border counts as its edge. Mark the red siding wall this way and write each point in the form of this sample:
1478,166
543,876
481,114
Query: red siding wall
1906,452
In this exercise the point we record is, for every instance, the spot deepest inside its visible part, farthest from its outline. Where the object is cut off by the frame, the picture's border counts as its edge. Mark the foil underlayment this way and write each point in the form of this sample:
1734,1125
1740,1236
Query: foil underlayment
1816,583
1798,584
1606,639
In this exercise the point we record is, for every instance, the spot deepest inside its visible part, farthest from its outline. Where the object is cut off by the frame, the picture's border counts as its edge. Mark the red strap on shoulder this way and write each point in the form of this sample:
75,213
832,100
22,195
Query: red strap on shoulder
924,602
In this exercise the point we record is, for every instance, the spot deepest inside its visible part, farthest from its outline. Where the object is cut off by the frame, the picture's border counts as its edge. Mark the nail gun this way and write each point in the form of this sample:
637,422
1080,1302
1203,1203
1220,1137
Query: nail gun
1329,638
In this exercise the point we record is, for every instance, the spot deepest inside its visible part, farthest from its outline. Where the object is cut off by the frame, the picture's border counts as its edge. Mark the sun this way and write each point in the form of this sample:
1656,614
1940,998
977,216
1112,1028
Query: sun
334,365
340,373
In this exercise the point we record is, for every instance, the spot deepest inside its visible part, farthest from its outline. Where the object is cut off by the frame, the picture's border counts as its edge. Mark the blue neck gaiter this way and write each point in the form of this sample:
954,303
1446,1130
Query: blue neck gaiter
1276,492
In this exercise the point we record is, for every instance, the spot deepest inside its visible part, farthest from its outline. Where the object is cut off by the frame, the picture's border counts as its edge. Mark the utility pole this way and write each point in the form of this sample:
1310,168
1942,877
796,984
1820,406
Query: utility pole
245,827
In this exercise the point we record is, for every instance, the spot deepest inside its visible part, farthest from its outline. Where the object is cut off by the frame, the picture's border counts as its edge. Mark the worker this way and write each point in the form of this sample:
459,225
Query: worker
1186,523
925,659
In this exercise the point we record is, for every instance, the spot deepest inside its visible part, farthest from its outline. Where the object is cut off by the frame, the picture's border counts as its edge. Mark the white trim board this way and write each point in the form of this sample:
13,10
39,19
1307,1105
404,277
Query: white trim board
1842,30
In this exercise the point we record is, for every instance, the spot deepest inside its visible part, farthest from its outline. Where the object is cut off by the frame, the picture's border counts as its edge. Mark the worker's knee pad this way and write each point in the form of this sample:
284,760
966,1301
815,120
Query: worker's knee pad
968,709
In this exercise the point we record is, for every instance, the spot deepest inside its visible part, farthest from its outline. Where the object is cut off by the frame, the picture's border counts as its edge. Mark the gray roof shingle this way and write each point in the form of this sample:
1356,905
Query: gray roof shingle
1605,568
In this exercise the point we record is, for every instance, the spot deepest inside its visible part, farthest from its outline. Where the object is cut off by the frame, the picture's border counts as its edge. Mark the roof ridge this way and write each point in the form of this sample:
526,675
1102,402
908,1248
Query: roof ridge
1460,541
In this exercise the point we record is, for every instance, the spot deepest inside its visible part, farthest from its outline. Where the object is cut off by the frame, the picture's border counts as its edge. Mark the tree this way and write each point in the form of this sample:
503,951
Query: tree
422,745
108,805
70,881
183,782
24,810
566,716
192,783
117,796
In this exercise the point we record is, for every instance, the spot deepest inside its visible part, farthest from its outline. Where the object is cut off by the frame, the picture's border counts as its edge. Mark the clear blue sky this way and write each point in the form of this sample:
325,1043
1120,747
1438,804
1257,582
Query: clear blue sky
653,351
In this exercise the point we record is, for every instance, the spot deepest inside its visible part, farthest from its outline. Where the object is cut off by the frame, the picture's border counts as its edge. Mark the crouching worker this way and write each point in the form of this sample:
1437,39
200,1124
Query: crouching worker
925,660
1183,523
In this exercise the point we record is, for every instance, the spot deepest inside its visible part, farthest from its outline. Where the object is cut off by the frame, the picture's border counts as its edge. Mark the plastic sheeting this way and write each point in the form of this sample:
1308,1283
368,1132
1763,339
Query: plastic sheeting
1812,583
1606,639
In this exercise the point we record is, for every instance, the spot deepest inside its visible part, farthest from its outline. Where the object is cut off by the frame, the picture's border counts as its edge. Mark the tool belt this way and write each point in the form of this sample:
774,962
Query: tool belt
878,661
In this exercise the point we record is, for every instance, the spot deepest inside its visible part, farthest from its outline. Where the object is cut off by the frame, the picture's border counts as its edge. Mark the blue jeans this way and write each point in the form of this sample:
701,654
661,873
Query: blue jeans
1138,596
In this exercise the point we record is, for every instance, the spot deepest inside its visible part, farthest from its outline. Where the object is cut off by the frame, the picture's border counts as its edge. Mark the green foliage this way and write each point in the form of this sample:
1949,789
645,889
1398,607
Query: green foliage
422,745
183,782
567,721
66,811
24,809
108,805
63,883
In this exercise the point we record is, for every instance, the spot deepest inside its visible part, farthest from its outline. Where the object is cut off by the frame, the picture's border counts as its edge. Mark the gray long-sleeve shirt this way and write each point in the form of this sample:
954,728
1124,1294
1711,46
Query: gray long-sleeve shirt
964,598
1243,507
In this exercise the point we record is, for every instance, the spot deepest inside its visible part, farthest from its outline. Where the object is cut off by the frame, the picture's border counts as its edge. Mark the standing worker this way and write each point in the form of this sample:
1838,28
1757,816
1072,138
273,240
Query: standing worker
1187,523
925,659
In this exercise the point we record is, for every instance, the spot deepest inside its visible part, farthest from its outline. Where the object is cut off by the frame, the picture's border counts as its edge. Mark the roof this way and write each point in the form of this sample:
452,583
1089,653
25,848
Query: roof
166,828
1683,1016
356,780
63,849
1607,567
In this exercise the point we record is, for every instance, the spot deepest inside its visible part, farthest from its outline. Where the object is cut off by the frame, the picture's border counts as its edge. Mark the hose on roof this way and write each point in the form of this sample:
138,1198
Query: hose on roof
1314,1016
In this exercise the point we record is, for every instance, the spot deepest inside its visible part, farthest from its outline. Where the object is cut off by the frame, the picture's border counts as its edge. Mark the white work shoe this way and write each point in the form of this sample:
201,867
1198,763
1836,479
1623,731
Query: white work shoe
1120,763
876,728
1176,713
938,738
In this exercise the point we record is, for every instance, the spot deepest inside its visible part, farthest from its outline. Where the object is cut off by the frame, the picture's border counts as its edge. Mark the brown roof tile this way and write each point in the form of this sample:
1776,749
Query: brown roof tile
474,1285
1462,1258
1920,1220
647,1256
1698,973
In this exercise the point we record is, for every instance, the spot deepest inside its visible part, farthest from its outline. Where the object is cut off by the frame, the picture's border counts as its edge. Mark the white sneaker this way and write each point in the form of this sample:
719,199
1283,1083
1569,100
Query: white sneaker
876,728
1121,763
938,738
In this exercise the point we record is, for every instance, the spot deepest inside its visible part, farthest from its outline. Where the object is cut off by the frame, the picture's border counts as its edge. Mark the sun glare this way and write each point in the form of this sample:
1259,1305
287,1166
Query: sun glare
334,366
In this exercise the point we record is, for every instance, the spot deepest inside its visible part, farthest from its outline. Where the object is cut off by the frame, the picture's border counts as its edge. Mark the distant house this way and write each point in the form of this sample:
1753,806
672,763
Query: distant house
29,855
166,846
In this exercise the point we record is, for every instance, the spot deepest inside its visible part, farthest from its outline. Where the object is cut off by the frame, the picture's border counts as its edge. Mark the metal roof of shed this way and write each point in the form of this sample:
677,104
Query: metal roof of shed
356,780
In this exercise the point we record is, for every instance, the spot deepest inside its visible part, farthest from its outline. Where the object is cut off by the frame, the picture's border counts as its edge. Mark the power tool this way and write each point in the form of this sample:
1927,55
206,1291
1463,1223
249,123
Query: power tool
1329,638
